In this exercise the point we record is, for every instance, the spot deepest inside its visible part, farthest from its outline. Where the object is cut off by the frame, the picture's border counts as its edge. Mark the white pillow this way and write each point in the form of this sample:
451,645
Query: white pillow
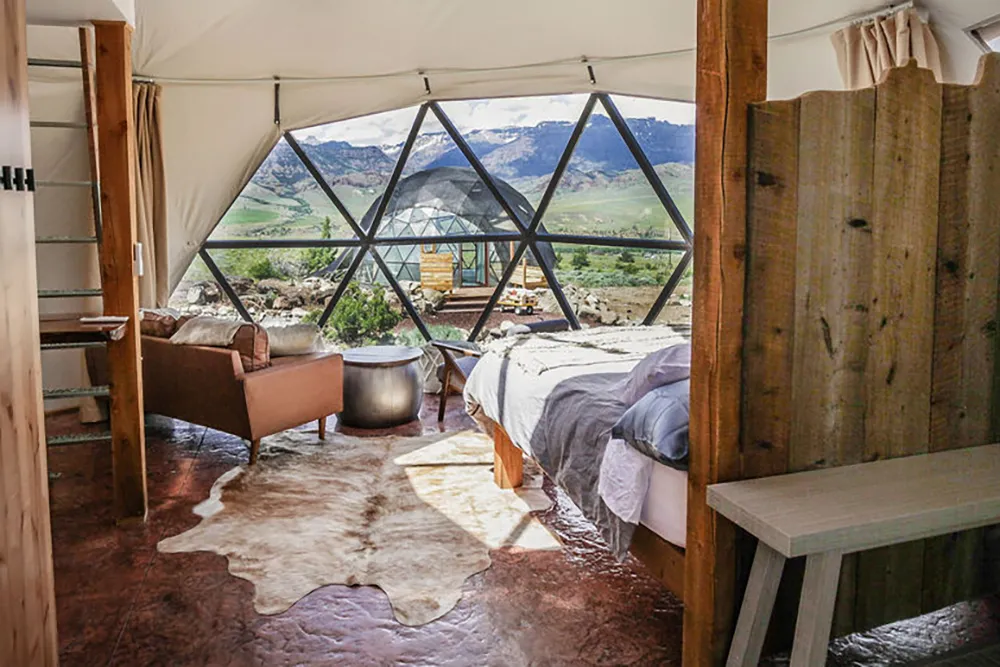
294,340
666,366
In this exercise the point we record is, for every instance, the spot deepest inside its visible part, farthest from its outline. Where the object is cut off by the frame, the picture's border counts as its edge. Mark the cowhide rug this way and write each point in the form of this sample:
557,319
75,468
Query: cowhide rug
414,516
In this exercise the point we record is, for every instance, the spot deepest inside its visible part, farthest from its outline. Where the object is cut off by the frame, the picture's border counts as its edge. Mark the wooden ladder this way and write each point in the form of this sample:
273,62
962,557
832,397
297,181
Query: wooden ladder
71,332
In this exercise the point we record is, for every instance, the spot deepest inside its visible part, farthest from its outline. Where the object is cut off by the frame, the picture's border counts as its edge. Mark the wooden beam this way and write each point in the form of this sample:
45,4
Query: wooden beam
731,74
27,594
508,460
116,157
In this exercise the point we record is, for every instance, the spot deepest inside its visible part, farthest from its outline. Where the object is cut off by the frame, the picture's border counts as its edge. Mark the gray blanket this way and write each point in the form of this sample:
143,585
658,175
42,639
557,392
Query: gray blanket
569,443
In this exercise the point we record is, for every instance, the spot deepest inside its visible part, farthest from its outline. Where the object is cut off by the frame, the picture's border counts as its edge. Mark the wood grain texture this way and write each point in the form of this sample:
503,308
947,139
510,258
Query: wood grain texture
834,280
906,173
963,402
731,74
508,460
90,114
770,304
664,560
900,329
27,597
116,148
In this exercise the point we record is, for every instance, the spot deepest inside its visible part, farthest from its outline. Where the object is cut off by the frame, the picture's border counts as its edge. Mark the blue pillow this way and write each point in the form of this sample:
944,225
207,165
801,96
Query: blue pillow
657,425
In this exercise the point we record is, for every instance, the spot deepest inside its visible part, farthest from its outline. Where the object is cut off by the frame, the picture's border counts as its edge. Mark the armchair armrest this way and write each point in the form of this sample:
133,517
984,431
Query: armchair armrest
292,393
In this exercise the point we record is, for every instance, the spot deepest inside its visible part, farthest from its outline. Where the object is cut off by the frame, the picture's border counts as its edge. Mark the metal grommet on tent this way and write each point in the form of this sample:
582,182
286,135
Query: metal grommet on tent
590,70
277,100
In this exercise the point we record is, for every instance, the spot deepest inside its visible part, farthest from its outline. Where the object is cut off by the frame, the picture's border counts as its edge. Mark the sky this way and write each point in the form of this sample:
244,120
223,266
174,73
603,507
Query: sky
391,127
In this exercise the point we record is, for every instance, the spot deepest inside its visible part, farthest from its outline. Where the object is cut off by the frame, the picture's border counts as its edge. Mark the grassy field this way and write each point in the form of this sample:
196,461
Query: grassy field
631,211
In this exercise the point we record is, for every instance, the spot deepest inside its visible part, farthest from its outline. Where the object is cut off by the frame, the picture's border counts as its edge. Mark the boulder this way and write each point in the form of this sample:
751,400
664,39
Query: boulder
608,317
196,295
272,285
433,299
242,285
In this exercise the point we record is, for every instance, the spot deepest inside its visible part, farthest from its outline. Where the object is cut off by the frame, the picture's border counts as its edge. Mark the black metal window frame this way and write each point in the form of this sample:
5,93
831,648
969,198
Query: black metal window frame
527,235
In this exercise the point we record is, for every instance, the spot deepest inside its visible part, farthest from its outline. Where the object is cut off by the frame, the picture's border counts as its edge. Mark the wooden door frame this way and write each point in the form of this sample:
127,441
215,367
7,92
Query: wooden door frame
27,590
731,74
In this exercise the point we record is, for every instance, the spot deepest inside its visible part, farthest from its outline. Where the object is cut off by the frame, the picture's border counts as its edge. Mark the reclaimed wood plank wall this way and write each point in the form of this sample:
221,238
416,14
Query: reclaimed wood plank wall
873,272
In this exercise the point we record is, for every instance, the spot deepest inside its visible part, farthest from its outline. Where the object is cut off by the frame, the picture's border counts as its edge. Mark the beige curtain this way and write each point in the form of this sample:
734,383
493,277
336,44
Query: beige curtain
151,196
867,50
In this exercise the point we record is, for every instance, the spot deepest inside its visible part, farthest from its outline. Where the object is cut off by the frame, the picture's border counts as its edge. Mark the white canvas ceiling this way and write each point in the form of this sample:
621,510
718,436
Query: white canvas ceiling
215,61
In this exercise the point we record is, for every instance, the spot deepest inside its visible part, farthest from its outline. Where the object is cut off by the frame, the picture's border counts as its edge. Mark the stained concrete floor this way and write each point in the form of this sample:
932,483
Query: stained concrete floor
119,602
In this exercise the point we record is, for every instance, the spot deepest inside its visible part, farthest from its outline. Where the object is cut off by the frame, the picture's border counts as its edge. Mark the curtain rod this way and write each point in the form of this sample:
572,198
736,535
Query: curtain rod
584,61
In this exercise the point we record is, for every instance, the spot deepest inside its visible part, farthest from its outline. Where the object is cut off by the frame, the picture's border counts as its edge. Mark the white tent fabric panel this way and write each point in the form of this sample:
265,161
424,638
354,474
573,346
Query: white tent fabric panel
214,138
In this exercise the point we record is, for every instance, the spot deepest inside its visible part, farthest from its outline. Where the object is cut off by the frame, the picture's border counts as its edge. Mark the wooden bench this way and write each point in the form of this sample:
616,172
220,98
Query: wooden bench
824,514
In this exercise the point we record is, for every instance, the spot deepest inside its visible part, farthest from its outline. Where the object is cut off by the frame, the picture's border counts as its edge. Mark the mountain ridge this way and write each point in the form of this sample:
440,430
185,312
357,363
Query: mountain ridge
512,153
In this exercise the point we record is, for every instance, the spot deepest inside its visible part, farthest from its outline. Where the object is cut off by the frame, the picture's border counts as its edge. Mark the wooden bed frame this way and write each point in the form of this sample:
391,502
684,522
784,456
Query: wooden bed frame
871,259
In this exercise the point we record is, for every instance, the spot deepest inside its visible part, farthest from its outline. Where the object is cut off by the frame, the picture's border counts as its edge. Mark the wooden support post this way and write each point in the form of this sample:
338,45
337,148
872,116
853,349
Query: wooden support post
116,150
27,594
732,74
508,460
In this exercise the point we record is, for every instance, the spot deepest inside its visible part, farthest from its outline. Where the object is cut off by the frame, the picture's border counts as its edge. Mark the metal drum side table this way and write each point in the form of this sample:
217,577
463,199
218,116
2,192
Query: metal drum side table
383,386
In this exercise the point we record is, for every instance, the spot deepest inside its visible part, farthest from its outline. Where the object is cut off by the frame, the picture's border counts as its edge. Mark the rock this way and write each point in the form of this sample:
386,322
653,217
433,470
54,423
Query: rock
241,285
196,295
410,286
506,324
433,299
299,313
213,292
608,317
281,303
272,285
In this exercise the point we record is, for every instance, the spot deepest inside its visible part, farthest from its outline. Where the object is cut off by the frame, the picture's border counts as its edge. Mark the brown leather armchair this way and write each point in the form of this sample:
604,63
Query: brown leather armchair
208,386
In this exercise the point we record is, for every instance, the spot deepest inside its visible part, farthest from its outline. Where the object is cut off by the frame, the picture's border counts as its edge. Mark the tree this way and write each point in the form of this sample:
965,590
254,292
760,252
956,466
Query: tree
580,259
317,259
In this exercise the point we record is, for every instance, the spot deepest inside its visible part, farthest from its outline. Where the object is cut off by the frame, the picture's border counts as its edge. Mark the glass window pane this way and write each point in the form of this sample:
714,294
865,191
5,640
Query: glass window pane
356,156
613,286
519,139
604,192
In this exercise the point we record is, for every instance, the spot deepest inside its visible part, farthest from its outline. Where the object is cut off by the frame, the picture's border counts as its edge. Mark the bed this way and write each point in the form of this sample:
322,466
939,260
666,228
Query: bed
555,398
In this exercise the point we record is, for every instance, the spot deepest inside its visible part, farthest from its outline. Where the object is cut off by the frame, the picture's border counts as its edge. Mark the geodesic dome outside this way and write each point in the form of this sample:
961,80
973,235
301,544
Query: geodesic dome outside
443,201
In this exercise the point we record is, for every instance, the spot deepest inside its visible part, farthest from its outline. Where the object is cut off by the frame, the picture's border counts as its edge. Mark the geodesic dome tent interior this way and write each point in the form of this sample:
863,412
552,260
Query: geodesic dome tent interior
448,201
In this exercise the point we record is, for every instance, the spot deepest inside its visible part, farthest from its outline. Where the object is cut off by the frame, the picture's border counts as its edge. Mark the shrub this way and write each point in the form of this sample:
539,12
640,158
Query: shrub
413,337
580,259
363,317
317,259
255,263
605,278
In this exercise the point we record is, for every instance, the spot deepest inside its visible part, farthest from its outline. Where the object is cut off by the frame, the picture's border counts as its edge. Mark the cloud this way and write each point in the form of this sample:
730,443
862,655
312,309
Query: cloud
391,127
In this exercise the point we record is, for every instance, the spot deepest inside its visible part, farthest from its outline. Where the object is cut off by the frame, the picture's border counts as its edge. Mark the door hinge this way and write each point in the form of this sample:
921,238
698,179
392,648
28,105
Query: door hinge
17,178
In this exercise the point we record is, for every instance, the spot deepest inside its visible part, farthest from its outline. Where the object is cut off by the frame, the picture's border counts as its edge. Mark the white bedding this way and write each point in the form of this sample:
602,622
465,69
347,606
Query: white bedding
640,490
633,486
515,398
